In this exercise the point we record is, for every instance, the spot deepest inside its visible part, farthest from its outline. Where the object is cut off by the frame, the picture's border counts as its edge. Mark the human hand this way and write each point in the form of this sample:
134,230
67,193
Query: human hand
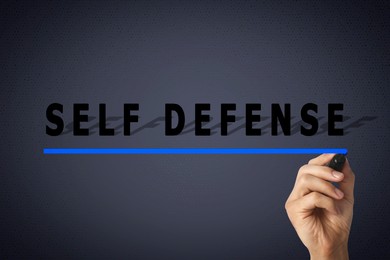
321,213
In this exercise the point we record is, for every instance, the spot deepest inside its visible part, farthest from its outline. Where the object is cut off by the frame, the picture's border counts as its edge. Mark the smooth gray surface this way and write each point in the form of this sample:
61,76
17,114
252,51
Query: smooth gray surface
152,53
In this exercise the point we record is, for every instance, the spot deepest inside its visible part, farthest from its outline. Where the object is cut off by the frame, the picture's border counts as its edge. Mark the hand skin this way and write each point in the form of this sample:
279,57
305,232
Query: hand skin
320,213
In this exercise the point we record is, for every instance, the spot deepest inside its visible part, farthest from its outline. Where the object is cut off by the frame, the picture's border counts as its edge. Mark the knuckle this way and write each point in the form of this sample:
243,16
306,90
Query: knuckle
286,205
328,187
302,169
305,179
315,197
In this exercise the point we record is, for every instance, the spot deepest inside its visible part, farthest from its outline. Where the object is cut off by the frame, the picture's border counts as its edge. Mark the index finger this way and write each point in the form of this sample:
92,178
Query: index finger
322,159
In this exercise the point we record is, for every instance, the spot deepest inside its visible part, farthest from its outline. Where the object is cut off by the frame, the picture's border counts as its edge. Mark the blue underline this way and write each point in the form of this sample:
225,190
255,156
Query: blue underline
193,150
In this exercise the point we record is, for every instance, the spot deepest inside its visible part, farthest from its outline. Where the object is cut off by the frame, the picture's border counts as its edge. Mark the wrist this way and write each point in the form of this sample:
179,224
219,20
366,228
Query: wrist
340,253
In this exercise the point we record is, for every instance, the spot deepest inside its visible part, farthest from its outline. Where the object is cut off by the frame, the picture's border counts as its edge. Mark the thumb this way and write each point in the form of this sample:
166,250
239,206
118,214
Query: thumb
348,183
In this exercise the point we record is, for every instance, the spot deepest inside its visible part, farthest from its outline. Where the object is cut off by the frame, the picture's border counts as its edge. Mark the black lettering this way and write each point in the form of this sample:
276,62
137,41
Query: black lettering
333,118
78,118
201,118
103,130
52,118
128,117
309,119
169,130
284,119
251,118
225,118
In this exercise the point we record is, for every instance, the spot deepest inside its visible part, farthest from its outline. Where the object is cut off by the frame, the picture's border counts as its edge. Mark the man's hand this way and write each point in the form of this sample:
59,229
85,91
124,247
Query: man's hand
321,213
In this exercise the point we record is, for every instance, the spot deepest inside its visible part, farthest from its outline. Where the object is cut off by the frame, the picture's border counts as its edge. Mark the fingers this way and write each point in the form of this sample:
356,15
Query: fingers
313,200
310,183
322,172
317,178
348,180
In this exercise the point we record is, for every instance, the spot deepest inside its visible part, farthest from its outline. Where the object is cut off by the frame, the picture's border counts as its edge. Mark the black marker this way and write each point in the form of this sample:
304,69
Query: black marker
337,162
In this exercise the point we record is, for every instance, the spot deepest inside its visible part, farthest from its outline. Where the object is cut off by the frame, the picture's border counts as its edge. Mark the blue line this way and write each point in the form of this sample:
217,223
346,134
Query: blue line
193,150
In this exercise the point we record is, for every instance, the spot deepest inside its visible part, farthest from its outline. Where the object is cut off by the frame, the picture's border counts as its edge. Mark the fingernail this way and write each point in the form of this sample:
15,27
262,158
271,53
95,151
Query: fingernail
339,193
337,175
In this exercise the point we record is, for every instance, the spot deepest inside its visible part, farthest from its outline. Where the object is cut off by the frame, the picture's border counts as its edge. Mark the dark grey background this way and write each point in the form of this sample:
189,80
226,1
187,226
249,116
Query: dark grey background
151,53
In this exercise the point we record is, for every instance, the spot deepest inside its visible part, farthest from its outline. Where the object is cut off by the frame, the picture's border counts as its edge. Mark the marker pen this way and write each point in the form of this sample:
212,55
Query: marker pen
337,162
